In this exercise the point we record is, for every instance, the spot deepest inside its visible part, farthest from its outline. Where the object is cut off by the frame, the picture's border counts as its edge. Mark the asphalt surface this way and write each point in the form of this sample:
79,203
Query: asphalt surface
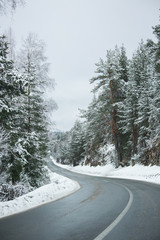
103,208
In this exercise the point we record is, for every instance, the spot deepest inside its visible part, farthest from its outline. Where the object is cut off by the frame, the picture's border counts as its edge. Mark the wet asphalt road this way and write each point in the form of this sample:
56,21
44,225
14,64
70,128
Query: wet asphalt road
85,214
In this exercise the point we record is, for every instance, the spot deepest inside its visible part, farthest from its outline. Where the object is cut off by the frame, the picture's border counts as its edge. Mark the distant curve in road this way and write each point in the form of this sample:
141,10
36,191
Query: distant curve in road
103,208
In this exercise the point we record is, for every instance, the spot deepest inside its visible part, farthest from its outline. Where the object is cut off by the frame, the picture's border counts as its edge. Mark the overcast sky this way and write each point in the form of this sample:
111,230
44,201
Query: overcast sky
77,33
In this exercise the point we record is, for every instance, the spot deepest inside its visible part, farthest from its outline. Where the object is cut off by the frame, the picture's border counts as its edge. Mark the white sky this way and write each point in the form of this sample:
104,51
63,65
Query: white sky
77,33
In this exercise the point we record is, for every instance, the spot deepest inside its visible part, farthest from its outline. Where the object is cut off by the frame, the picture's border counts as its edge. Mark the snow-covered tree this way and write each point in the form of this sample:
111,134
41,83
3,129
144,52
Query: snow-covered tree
139,110
111,78
125,110
34,69
23,114
10,96
76,145
9,4
155,113
97,130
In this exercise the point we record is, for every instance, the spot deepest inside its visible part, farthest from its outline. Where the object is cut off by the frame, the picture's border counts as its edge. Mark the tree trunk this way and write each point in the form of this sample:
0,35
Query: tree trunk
29,104
114,128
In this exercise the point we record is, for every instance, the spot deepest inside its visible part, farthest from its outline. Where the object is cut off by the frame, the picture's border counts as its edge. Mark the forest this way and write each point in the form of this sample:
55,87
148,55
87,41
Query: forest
122,123
24,116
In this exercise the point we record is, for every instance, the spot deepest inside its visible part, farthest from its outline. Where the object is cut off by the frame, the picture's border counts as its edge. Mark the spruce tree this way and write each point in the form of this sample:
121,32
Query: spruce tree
35,123
155,119
110,80
10,96
76,145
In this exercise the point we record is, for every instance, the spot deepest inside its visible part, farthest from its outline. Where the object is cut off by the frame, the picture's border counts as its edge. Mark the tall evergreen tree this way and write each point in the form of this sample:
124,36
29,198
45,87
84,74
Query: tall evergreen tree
10,95
156,87
35,123
98,131
77,142
112,75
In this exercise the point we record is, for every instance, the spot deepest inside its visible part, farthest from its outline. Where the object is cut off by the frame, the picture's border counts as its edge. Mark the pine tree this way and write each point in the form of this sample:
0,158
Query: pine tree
10,95
155,114
142,104
112,75
123,83
35,123
138,105
98,131
76,145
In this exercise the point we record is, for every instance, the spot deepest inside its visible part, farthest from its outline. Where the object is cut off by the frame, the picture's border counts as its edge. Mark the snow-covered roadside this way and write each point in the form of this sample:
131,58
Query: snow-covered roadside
137,172
59,187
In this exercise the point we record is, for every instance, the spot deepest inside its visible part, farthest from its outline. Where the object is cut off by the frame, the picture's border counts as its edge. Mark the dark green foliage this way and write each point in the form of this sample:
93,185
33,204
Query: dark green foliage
23,123
10,90
77,141
125,109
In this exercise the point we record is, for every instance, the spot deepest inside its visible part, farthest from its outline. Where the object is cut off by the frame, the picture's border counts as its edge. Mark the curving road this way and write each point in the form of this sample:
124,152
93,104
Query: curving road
103,208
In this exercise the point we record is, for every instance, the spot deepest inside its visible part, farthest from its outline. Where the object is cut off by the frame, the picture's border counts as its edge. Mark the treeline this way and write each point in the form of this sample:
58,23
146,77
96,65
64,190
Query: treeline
24,112
125,110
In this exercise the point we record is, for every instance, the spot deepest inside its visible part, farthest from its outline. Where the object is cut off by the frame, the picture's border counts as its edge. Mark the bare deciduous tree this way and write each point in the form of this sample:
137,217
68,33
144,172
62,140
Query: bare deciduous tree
10,4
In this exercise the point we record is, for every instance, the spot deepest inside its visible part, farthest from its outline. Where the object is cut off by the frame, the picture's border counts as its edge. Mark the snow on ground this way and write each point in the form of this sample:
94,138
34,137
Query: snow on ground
137,172
59,187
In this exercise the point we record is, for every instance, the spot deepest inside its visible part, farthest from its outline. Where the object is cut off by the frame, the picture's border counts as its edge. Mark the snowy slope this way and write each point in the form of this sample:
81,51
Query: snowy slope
137,172
59,187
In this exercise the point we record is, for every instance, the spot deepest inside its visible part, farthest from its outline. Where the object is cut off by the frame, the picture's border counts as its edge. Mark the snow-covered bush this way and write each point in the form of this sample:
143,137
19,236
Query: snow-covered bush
108,153
10,192
104,155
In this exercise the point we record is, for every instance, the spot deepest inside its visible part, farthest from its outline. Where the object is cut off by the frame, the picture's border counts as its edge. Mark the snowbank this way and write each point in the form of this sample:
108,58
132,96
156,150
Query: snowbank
59,187
137,172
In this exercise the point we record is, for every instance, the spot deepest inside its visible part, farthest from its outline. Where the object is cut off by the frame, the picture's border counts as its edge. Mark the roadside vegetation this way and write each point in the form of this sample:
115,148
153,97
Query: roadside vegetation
124,112
24,113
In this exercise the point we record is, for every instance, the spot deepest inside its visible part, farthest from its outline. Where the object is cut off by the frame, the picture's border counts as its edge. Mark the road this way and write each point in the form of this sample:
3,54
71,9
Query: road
103,208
